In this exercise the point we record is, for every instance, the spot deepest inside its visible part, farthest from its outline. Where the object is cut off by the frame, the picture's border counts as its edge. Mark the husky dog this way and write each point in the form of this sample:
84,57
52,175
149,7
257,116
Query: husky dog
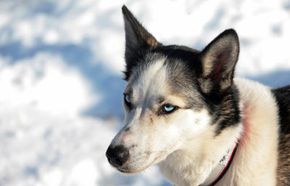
187,113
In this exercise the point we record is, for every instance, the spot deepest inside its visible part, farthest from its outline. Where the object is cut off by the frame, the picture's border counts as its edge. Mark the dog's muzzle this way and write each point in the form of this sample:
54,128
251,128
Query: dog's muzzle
118,155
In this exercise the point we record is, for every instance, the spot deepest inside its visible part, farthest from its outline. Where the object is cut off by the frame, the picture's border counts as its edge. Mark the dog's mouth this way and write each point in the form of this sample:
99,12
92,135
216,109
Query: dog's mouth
128,170
140,163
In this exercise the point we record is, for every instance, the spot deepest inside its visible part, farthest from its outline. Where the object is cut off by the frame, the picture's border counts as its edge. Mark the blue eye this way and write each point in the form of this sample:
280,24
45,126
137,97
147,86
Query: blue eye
127,101
167,108
127,98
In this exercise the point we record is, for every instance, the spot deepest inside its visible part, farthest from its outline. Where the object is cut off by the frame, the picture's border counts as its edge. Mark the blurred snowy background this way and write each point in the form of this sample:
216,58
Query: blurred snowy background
61,82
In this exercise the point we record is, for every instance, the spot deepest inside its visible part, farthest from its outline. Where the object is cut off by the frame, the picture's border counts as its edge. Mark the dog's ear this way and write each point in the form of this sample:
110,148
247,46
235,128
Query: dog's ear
138,38
218,61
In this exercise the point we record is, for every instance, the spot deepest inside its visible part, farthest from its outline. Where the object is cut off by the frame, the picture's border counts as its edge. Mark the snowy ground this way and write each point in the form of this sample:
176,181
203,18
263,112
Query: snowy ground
60,77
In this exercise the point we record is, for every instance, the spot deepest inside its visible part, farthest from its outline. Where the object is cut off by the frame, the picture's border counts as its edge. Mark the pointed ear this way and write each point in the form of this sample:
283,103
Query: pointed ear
137,37
218,61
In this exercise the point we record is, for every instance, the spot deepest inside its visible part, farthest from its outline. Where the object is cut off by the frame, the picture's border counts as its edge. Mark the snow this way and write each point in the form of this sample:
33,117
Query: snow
34,82
61,82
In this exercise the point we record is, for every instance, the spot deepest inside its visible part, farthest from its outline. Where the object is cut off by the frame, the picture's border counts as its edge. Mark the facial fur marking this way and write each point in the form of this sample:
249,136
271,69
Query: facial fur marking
147,82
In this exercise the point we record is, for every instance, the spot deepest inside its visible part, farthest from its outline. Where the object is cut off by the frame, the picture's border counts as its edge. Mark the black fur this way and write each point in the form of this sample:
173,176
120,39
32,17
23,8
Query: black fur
138,41
283,101
282,96
205,78
223,104
209,72
218,61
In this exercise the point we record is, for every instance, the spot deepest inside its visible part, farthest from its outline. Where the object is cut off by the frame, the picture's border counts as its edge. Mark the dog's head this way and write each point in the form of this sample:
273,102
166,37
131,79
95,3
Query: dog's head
175,96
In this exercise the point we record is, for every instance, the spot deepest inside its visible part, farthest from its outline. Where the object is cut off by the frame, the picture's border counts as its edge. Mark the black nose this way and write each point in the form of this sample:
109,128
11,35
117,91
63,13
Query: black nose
117,155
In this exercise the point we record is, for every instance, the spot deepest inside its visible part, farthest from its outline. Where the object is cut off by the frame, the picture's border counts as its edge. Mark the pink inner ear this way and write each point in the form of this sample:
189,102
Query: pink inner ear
218,69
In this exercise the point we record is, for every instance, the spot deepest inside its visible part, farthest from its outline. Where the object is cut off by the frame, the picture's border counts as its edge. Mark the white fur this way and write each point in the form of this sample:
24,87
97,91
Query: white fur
192,164
152,138
185,144
255,161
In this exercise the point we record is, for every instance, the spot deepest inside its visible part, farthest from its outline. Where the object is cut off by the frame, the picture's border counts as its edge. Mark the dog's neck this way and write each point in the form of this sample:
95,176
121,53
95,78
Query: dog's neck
195,168
222,167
